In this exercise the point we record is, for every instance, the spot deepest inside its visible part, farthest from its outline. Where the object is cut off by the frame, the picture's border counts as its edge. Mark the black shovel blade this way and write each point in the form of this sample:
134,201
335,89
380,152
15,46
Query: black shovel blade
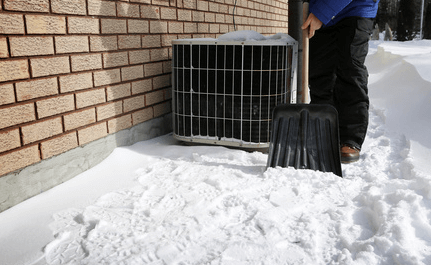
305,136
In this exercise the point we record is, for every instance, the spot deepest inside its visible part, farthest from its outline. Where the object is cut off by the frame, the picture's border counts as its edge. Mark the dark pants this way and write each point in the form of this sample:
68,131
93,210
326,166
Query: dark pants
339,77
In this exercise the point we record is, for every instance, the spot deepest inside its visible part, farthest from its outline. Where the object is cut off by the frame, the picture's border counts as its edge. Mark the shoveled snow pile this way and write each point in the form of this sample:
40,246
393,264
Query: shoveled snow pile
163,202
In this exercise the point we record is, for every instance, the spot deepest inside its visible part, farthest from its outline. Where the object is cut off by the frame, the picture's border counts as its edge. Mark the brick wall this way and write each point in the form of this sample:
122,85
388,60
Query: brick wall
74,71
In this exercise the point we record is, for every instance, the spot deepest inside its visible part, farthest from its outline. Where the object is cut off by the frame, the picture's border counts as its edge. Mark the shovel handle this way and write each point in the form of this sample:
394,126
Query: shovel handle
305,54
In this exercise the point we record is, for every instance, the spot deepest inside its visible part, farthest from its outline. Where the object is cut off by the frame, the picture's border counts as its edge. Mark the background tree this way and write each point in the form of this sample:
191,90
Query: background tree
427,22
406,19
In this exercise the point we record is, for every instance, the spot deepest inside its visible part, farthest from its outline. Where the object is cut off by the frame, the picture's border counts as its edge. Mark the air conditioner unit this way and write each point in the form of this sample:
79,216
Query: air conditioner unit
224,91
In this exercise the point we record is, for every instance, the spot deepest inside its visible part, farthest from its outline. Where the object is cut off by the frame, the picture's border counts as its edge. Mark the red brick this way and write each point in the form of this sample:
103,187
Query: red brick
142,115
41,130
71,44
7,95
11,24
129,42
82,25
118,91
127,10
86,62
9,140
139,56
19,159
27,5
141,86
77,7
106,77
134,103
132,72
101,8
4,52
109,110
16,115
92,133
137,26
36,88
103,43
89,98
59,145
29,46
40,24
79,119
75,82
50,66
120,123
56,105
13,70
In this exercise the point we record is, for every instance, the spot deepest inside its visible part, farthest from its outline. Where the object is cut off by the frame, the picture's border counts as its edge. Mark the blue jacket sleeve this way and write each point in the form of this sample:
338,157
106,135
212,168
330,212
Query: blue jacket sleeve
325,10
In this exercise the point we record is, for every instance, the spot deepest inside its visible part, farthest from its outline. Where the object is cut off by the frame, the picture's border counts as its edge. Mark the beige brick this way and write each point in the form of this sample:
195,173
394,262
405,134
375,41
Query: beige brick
19,159
118,91
109,110
107,77
167,39
176,27
209,17
113,26
9,140
219,18
167,66
27,5
134,103
159,54
83,25
224,28
56,105
161,81
141,1
141,86
71,44
151,41
36,88
154,97
16,115
29,46
190,27
39,24
153,69
86,62
75,82
129,42
198,16
11,24
77,7
41,130
150,12
191,4
89,98
184,15
168,13
142,115
139,57
7,95
162,109
79,119
50,66
203,28
101,8
202,5
92,133
115,59
119,123
132,72
161,2
157,26
13,70
214,28
138,26
127,10
4,52
103,43
59,145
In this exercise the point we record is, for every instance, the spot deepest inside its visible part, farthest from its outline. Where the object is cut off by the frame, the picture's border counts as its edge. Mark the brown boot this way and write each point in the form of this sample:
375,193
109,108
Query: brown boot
349,154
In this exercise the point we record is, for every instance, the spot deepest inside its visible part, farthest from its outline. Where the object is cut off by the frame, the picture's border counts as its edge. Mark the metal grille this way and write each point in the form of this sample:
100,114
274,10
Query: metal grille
224,92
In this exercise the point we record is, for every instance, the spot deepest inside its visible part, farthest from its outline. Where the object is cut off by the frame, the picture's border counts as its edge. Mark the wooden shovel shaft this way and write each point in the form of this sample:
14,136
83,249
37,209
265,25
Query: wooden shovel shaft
305,55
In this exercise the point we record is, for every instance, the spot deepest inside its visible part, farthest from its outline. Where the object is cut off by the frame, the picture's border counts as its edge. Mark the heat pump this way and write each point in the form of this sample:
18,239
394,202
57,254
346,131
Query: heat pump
224,91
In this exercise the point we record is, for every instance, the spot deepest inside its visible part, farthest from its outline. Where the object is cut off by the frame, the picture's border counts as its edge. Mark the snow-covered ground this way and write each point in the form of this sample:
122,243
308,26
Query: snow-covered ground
163,202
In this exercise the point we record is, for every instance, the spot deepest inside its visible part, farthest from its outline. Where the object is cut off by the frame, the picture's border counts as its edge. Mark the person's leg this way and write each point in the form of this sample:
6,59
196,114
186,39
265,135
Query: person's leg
351,86
322,66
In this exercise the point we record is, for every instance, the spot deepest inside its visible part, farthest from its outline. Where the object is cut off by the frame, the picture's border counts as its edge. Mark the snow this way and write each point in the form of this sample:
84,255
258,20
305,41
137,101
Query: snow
164,202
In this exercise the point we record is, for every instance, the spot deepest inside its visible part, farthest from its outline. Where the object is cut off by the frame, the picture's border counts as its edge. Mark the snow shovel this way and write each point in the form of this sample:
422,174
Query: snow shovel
305,136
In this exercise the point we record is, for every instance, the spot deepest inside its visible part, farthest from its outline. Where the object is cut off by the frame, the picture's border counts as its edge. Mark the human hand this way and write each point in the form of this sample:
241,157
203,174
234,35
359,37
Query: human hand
313,23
